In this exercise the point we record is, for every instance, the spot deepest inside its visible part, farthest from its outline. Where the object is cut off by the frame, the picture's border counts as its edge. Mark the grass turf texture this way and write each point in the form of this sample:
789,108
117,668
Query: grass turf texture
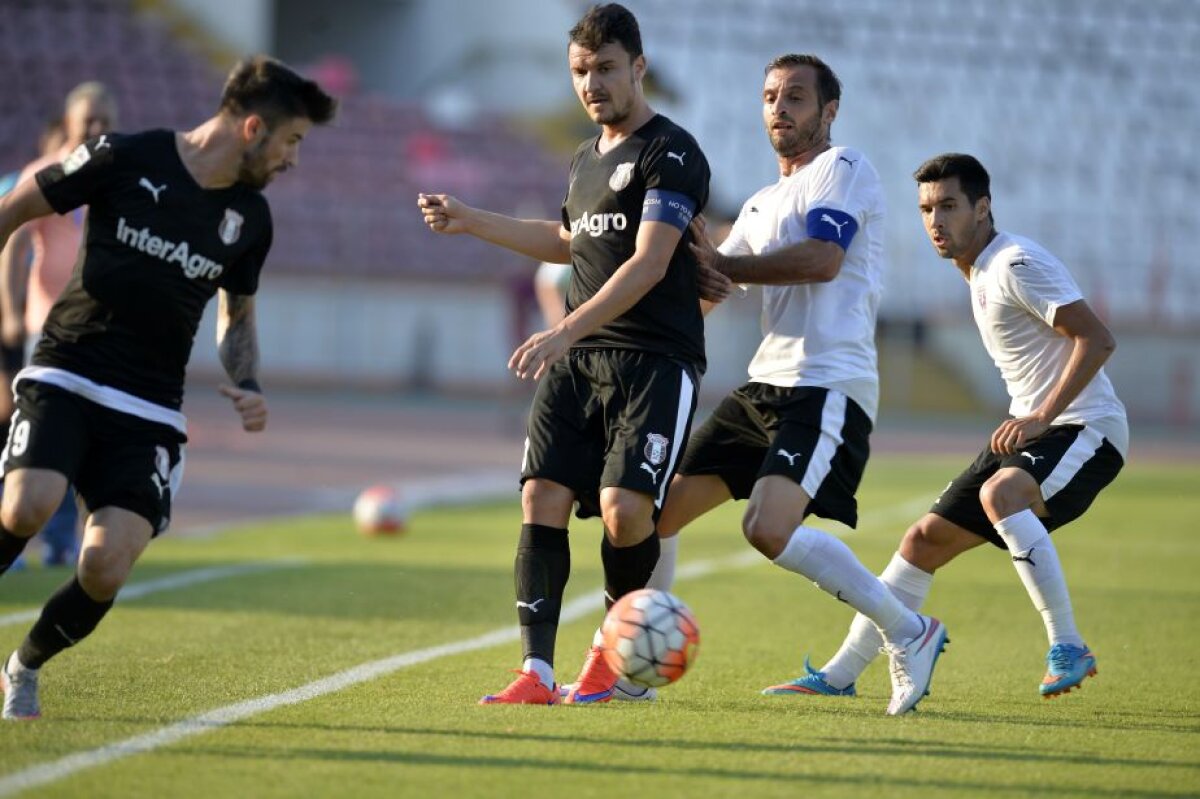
1131,731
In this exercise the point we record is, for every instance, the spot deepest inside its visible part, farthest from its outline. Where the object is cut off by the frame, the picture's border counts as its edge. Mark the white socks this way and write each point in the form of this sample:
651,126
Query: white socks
833,567
908,584
663,575
542,669
1036,561
14,666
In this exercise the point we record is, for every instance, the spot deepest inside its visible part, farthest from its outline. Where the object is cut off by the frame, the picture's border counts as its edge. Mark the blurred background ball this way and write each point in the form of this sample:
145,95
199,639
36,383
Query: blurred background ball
379,511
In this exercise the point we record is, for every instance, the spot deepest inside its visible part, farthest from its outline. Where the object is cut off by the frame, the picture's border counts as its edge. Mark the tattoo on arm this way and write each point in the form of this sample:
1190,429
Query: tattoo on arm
237,337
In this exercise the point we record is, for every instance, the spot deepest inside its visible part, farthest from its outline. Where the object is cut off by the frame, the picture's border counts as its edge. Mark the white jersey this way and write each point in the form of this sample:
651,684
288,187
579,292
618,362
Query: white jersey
1016,288
819,334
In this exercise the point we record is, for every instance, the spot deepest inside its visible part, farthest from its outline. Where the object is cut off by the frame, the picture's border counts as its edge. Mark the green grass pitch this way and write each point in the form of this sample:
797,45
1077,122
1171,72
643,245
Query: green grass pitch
1134,730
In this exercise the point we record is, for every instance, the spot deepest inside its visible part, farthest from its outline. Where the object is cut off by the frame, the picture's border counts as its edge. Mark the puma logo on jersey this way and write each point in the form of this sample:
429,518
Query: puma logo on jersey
150,187
102,142
847,160
830,220
791,456
677,156
598,224
1033,458
653,472
160,485
533,606
193,264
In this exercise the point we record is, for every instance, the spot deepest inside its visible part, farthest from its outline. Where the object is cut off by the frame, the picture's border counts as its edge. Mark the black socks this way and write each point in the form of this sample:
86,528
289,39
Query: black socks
627,568
68,617
542,567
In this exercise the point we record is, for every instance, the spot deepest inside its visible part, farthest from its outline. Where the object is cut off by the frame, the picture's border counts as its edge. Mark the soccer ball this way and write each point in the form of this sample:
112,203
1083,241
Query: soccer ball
650,637
378,511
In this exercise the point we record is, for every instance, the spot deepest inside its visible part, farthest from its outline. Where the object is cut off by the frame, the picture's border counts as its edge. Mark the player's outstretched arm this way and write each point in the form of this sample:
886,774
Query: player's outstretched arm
810,261
237,345
1093,343
14,282
656,242
23,203
540,239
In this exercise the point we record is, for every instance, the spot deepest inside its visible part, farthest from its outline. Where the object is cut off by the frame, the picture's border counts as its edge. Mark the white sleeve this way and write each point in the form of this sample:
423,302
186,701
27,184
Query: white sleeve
735,243
844,182
1038,284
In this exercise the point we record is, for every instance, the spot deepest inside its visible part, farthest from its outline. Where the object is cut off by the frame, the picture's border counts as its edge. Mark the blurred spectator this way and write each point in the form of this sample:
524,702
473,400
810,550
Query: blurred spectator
36,265
550,284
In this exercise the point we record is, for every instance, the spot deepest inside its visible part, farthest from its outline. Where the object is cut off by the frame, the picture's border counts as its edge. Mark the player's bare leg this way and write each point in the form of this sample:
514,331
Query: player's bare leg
113,540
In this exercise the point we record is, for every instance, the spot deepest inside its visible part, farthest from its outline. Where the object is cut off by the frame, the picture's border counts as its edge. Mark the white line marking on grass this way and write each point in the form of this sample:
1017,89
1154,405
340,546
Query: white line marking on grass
173,581
574,610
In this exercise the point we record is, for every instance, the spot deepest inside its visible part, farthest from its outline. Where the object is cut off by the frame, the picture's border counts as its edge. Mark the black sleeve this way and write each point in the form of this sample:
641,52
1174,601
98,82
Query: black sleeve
243,278
675,163
81,176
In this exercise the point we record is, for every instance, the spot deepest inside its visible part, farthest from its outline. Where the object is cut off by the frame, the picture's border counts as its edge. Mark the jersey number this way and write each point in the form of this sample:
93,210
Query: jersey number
20,438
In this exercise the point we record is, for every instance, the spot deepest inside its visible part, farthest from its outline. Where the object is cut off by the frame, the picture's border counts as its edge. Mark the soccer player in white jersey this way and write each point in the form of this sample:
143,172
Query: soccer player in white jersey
1067,438
794,440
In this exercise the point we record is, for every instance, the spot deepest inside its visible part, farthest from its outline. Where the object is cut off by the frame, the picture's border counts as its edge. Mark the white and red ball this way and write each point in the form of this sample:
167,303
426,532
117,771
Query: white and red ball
379,511
650,637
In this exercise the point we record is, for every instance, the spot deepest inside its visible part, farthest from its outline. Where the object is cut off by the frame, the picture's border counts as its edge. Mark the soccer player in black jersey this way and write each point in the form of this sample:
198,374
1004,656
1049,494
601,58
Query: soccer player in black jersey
173,218
619,373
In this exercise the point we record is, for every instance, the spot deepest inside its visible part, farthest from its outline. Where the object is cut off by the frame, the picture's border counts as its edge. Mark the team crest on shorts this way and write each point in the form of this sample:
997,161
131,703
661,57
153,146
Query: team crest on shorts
230,229
656,448
621,176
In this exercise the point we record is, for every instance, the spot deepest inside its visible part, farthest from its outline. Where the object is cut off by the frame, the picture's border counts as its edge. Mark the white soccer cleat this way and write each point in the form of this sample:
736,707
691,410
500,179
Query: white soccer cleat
623,691
20,693
912,665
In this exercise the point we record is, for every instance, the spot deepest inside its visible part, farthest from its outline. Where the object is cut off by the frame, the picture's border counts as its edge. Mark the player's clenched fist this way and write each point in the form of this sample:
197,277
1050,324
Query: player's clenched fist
251,405
443,213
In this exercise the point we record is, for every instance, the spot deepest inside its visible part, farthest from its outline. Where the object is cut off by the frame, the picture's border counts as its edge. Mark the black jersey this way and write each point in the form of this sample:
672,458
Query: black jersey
658,173
156,247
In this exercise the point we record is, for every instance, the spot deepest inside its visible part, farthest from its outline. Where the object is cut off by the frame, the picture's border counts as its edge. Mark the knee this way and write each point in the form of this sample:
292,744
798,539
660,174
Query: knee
627,518
1003,495
102,572
546,503
25,513
766,534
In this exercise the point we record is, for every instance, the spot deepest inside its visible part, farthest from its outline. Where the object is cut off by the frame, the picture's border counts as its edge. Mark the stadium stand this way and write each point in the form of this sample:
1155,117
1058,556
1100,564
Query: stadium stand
350,210
1085,111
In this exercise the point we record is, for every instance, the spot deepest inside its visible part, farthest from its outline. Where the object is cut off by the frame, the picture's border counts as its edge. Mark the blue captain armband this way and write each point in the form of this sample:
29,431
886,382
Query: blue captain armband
828,224
671,207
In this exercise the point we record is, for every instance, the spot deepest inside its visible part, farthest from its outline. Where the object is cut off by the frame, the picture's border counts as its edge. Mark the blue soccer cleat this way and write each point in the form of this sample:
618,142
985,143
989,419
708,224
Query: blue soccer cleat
1067,666
813,682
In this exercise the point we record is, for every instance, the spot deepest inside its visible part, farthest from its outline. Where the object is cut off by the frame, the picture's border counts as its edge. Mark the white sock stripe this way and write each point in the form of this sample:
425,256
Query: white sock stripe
833,419
683,414
1080,452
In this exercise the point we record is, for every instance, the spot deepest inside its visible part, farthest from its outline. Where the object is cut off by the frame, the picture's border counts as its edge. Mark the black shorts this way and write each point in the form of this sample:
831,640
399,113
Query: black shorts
1071,463
609,418
818,438
112,458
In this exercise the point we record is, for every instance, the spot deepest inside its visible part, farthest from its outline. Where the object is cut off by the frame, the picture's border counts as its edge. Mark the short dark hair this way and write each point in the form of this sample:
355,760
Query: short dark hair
828,85
610,22
972,177
264,86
